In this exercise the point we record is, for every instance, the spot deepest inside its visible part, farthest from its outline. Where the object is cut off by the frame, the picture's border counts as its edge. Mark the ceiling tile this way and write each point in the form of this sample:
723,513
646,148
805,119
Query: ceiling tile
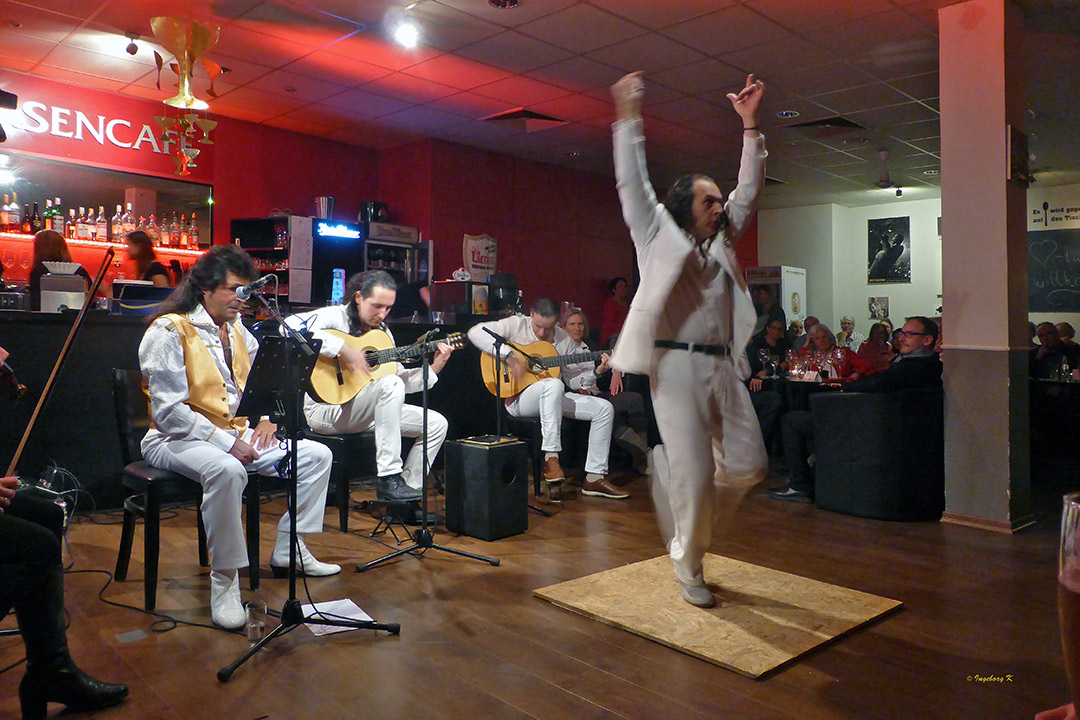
36,23
577,73
300,87
16,45
240,72
366,104
324,115
241,43
655,15
700,76
682,110
514,52
199,86
327,66
523,13
581,28
127,16
647,53
884,34
371,47
915,57
471,105
99,38
799,15
91,63
259,101
424,119
408,88
726,30
243,113
926,11
775,58
521,91
456,72
81,9
374,135
14,63
300,125
78,78
920,87
866,97
810,81
297,24
446,28
575,108
915,130
895,115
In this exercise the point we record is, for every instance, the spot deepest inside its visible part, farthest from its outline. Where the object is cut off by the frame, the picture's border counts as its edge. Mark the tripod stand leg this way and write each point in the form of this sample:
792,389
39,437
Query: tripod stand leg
542,511
225,673
490,560
361,567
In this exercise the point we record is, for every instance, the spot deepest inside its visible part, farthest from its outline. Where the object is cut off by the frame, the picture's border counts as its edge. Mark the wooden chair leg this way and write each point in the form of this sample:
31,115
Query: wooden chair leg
204,553
341,492
152,545
254,487
127,537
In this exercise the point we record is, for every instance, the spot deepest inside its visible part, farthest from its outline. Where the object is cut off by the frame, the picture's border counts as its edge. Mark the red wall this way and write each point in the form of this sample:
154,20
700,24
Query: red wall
259,168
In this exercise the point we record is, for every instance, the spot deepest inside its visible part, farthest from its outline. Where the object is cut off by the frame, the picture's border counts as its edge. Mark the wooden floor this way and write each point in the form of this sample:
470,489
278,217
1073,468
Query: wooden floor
977,637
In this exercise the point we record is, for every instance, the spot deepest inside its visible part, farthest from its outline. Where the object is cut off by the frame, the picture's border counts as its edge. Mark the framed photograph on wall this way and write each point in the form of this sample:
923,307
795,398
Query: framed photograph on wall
888,250
878,307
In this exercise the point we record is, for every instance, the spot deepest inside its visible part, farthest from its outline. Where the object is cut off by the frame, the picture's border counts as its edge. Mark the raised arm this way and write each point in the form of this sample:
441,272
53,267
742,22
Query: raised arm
743,201
639,204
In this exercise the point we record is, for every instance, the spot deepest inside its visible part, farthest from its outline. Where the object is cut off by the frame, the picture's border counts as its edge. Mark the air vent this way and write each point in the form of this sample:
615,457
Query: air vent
825,128
526,120
773,181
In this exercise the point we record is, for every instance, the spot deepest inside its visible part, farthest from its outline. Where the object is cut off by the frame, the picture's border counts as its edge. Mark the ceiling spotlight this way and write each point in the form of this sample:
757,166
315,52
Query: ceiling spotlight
132,48
7,177
503,4
899,192
403,28
931,172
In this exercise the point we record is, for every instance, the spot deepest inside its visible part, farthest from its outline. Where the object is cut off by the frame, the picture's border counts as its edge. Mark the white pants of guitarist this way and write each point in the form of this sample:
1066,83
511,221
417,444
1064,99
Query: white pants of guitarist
381,405
699,398
548,400
223,479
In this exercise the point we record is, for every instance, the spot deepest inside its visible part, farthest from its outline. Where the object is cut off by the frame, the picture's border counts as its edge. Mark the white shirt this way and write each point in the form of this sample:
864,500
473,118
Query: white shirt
161,357
580,376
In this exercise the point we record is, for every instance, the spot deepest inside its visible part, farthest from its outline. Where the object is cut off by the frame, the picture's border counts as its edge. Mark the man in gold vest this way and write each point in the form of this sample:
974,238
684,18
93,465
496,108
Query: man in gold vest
195,356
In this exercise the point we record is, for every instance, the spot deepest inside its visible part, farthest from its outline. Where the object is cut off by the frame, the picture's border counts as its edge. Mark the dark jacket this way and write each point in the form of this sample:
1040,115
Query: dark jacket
906,372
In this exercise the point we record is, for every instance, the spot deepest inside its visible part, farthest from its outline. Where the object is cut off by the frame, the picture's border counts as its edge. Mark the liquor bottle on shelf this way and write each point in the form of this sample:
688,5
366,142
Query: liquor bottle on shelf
152,230
82,228
174,230
127,221
15,217
71,227
91,223
5,222
34,223
193,234
185,238
116,224
47,215
103,225
58,217
141,225
165,232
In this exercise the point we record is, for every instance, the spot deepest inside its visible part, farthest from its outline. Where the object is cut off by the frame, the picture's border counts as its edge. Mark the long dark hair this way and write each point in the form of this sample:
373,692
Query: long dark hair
679,201
365,284
208,273
50,245
139,239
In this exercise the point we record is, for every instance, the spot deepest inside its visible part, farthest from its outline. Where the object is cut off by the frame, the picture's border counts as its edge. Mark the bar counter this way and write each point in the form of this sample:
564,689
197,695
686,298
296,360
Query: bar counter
77,429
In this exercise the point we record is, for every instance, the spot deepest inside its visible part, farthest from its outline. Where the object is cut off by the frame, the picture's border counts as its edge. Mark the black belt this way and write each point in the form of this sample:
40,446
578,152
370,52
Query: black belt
693,347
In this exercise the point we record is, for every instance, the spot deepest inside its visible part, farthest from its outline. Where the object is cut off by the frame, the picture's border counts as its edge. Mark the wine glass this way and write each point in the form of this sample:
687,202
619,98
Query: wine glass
1069,590
764,358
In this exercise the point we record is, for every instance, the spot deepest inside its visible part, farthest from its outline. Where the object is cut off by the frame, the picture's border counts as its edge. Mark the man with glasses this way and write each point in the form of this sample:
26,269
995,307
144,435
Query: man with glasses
918,366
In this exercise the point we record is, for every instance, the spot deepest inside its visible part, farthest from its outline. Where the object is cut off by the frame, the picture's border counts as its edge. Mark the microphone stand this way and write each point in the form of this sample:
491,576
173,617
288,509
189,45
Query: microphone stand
422,537
288,400
496,362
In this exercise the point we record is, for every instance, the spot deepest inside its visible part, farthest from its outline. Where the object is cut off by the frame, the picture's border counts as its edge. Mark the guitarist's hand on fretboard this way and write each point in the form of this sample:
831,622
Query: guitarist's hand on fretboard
442,354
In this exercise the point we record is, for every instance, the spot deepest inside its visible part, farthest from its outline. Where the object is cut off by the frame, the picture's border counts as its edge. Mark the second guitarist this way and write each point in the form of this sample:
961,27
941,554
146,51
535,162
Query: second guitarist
380,405
548,398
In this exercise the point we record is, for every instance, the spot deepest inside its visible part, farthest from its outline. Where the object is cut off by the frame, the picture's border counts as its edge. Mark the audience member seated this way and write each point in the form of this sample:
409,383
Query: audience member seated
794,330
1053,420
1053,359
614,313
831,361
848,336
1065,332
587,379
772,346
800,341
917,366
877,350
767,308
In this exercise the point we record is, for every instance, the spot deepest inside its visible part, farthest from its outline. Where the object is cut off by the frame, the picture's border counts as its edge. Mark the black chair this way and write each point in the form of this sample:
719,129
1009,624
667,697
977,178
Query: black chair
881,455
340,446
528,429
154,488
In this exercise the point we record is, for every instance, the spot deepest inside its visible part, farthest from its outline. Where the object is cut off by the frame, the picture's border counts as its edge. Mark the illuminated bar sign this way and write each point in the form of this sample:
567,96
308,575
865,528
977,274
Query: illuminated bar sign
325,229
90,127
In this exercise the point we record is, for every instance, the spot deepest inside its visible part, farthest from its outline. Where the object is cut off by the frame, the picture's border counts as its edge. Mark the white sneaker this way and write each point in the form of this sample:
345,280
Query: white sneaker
306,564
226,610
697,595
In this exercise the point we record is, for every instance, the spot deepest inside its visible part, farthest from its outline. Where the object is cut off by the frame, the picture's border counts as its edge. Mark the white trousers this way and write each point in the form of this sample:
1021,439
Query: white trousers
223,479
381,405
712,453
548,400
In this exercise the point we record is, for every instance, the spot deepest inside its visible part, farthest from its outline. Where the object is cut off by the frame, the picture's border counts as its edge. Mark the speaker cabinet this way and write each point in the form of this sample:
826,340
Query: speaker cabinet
487,492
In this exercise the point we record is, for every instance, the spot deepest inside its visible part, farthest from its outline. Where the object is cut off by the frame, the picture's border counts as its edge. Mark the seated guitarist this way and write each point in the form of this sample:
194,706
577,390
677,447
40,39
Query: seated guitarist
380,404
548,398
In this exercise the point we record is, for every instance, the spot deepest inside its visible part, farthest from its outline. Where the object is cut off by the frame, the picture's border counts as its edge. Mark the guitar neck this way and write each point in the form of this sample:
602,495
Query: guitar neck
572,359
397,354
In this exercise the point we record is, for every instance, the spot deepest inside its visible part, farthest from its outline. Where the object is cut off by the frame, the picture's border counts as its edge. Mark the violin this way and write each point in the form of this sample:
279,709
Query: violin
14,388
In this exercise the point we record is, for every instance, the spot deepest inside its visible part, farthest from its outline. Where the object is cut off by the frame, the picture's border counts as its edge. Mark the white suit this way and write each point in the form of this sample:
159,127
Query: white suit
711,437
379,405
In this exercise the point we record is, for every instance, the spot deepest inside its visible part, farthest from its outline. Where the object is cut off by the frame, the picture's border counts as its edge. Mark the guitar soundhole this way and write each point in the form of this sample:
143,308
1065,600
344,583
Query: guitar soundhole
372,359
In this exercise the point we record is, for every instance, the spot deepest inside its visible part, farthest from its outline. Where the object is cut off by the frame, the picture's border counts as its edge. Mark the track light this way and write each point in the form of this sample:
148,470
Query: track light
403,28
899,192
132,48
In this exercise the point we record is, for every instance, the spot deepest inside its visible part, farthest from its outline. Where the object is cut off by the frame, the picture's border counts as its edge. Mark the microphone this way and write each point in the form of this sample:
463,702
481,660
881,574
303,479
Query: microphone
248,290
426,337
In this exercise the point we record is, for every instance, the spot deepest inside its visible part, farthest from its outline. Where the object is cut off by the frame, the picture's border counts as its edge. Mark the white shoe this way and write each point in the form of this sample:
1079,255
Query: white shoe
226,610
306,564
697,595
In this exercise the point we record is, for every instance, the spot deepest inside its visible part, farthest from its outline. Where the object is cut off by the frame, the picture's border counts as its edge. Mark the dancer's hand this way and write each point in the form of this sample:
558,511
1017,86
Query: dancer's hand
628,93
748,102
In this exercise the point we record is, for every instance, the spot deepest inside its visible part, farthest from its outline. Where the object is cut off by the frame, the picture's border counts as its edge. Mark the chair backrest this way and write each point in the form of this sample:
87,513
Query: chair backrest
132,412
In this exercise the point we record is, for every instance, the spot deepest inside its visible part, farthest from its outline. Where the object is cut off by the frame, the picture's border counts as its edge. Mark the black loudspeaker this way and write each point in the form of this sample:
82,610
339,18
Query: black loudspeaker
487,487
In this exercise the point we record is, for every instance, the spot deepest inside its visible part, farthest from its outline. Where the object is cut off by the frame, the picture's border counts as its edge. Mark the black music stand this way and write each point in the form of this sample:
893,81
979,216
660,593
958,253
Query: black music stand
275,388
422,537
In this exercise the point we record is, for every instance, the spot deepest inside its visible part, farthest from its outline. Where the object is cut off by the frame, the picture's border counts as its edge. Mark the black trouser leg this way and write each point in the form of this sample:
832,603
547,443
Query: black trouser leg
797,427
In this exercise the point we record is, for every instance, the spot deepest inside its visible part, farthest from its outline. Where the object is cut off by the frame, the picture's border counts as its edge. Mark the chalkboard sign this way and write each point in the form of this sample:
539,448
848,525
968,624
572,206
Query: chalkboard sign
1054,271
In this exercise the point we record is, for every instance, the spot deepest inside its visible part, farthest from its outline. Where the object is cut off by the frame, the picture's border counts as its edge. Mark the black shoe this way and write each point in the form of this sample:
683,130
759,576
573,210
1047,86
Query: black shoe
68,686
392,488
790,495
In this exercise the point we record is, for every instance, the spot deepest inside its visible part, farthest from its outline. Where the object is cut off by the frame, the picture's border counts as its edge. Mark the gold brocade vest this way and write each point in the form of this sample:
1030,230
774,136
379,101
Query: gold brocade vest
206,388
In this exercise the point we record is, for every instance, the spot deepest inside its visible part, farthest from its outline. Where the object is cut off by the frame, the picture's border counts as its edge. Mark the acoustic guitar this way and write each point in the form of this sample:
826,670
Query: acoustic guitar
544,362
335,383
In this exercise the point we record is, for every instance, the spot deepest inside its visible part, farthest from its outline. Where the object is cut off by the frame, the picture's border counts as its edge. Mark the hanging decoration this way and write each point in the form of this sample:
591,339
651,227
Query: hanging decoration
187,40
